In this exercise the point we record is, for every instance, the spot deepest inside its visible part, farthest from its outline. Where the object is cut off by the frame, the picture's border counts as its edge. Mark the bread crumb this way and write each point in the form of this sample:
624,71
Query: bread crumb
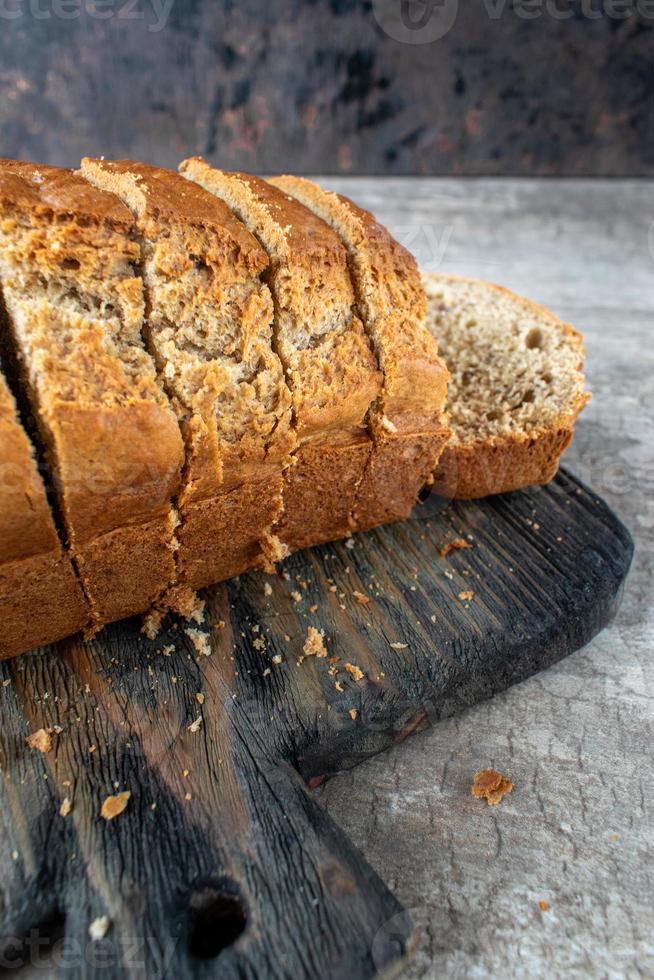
267,672
151,623
465,596
349,544
543,905
491,786
356,672
200,641
361,598
259,643
6,683
199,697
267,588
399,646
314,645
339,687
195,725
387,424
41,740
277,659
66,806
99,928
220,625
455,545
273,550
296,596
353,713
113,806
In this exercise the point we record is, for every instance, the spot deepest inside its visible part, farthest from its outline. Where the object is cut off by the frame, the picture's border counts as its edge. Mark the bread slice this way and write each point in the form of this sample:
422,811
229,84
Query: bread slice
209,329
74,307
407,421
330,368
517,386
41,599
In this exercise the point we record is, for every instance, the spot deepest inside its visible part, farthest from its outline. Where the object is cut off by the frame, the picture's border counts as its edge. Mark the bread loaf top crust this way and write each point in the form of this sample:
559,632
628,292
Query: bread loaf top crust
49,191
331,370
76,307
391,303
209,325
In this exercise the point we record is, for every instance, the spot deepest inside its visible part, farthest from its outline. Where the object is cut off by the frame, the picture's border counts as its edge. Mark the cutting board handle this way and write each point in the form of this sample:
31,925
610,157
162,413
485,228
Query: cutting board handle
232,872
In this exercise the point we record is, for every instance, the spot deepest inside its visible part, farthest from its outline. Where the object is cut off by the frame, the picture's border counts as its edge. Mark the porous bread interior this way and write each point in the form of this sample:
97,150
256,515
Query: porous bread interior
76,308
209,318
313,293
515,368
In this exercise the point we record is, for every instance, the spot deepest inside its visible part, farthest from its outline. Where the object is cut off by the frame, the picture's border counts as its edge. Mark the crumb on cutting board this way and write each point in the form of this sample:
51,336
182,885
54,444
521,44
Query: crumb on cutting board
113,806
40,740
99,928
314,645
491,786
457,544
200,641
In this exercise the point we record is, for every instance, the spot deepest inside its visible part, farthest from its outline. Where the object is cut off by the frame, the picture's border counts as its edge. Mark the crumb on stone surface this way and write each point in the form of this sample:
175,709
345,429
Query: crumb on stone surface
491,786
40,740
113,806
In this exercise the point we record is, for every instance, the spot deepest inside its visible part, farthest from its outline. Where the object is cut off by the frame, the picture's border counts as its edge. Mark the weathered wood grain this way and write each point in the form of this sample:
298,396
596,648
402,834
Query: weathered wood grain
222,865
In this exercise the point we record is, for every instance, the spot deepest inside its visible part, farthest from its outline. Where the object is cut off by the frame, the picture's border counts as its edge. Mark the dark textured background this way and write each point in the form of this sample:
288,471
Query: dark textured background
319,86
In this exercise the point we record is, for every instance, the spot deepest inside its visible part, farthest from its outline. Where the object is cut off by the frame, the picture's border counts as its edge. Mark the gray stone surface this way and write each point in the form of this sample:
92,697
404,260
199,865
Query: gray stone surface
519,87
578,829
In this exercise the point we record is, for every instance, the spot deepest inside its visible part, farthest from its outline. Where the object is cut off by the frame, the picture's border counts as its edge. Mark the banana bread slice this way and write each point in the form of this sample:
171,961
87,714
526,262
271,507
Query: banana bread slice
330,368
408,420
209,329
74,309
517,386
41,599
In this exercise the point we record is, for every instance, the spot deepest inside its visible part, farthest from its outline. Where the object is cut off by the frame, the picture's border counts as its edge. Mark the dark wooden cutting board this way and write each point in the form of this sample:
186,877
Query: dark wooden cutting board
222,864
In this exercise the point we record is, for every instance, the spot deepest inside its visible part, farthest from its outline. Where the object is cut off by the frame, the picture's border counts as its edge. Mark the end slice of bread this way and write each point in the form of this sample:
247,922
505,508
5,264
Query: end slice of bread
516,388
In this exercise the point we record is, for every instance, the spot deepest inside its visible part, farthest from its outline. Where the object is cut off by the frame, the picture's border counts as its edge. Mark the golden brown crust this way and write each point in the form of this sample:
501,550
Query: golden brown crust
331,370
501,465
40,597
40,602
407,423
209,328
75,307
26,525
49,191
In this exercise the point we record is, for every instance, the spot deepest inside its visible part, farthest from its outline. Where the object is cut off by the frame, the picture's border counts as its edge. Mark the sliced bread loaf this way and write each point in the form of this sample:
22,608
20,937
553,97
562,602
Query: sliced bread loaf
330,368
517,386
209,329
74,307
41,599
407,421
